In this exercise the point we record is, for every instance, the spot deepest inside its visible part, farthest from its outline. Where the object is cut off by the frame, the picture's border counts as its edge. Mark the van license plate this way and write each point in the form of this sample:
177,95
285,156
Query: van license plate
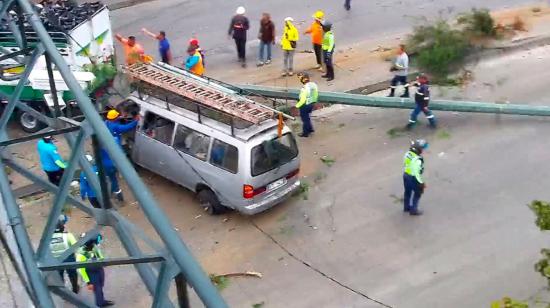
276,184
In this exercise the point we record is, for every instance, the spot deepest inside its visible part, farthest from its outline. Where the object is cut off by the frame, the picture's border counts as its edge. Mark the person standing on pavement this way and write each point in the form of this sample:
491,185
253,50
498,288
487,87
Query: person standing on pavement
86,190
194,42
94,277
347,5
267,38
164,45
422,100
401,69
328,50
237,28
316,31
194,61
52,163
117,129
61,241
412,177
309,95
289,42
132,50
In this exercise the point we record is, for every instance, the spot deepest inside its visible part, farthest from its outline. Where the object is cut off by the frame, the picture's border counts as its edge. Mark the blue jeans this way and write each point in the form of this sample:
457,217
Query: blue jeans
307,127
97,278
412,190
267,47
417,110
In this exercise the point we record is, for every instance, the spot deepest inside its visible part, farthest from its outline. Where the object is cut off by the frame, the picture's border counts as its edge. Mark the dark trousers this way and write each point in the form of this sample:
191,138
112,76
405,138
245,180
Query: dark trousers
417,110
55,176
97,278
305,112
347,4
413,192
318,53
112,173
94,202
328,62
73,277
241,48
399,80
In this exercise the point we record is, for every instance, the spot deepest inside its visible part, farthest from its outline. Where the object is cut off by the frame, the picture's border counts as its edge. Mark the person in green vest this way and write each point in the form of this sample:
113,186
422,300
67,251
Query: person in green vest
309,95
61,241
412,177
93,276
328,50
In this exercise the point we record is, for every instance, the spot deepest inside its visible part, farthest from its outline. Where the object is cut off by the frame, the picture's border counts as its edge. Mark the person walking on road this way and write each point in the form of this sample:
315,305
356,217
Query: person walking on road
237,28
52,163
347,5
412,177
132,50
61,241
401,69
309,95
164,45
316,31
194,61
328,50
86,190
422,100
289,42
267,38
116,128
194,42
94,277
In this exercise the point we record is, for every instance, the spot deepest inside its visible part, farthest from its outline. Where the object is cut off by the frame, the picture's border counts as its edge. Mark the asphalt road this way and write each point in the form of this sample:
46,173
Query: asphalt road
209,21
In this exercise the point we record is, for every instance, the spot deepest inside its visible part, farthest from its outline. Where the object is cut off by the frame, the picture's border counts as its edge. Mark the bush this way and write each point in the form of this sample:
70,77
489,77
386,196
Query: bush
478,23
103,72
440,49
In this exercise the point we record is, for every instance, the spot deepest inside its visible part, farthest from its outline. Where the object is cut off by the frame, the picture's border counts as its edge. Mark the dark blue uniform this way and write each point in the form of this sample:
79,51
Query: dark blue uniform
422,100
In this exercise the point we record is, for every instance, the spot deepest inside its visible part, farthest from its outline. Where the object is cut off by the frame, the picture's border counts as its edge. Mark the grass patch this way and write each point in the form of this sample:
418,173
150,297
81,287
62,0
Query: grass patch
303,190
477,23
396,132
397,199
443,134
319,177
327,160
258,305
341,125
221,282
288,230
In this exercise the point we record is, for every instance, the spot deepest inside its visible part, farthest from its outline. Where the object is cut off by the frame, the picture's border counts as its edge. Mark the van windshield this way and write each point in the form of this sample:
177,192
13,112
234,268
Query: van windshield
274,153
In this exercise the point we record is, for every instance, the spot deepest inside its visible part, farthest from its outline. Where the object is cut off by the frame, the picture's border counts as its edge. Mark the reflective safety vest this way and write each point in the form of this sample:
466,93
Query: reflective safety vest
61,241
414,165
309,94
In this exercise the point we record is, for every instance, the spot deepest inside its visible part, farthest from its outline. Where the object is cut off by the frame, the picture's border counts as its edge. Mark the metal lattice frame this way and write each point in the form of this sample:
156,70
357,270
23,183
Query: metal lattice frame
172,260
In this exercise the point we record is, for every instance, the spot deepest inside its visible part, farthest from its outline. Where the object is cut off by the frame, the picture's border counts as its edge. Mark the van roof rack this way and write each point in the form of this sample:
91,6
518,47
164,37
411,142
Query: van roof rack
210,95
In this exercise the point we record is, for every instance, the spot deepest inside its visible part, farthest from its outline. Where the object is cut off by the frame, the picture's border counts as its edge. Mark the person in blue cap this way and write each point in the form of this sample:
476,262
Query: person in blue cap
412,177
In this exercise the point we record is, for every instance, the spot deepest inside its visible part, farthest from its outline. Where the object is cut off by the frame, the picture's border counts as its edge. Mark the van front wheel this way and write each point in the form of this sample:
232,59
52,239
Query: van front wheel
210,202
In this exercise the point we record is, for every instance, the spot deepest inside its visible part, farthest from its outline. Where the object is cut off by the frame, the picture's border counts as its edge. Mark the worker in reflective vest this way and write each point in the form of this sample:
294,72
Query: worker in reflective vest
412,177
309,95
328,50
194,61
61,241
94,276
52,163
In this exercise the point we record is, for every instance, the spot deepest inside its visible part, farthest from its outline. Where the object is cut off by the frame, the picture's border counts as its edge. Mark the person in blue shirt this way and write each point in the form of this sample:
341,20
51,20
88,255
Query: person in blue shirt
117,129
52,163
86,190
164,45
422,100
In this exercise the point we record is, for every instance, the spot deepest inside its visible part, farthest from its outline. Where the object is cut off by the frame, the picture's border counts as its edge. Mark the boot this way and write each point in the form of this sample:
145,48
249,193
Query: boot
410,126
392,92
406,94
119,196
416,213
433,123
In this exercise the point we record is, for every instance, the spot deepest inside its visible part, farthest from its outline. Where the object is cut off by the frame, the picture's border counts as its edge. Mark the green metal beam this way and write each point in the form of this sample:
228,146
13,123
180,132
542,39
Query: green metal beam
403,103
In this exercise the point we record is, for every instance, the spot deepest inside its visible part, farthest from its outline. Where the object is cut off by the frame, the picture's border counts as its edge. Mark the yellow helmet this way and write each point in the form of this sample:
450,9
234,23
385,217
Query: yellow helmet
112,114
319,15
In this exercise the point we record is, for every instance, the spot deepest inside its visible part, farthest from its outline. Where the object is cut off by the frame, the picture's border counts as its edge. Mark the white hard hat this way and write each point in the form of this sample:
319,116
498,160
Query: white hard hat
289,19
240,10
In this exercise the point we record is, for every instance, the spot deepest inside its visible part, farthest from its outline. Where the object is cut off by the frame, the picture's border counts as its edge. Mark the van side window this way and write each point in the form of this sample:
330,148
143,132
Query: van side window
191,142
158,128
225,156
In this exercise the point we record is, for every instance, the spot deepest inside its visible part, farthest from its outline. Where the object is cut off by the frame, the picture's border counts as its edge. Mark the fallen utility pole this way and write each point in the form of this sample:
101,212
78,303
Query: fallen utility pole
403,103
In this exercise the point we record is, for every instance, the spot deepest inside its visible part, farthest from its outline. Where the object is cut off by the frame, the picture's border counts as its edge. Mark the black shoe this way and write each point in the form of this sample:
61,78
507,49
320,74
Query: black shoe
330,78
409,126
416,213
76,289
119,196
324,76
107,304
406,210
303,135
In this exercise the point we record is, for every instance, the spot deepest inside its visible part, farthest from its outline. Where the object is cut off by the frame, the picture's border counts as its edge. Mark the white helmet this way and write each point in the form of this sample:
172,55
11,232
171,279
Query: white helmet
240,10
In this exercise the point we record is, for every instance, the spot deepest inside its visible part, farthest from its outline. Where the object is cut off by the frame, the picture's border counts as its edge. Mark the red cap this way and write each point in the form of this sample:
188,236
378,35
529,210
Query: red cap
194,41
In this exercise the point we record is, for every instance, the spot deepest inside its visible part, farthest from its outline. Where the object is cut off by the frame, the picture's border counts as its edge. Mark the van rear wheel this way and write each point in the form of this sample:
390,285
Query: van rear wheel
210,202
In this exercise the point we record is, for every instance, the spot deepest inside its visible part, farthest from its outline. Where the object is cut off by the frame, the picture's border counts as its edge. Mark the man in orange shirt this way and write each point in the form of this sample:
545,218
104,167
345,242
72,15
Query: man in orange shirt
316,30
132,50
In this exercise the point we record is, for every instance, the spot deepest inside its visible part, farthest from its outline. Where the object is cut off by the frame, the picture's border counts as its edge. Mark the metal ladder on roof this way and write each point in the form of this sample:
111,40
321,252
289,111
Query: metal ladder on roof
233,105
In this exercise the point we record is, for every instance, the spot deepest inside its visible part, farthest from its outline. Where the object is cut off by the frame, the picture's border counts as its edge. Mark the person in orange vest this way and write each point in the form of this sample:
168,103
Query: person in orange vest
132,50
194,61
316,31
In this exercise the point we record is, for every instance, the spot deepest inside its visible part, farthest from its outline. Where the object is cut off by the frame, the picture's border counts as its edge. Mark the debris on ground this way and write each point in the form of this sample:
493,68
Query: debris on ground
327,160
396,132
258,305
319,176
443,134
198,216
303,190
396,199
